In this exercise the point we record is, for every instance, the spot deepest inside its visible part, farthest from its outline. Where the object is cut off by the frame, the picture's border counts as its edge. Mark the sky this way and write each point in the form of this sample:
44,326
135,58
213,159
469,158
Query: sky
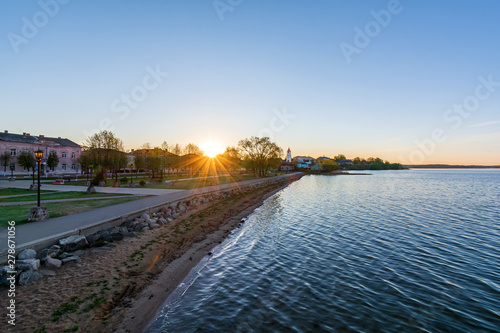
414,82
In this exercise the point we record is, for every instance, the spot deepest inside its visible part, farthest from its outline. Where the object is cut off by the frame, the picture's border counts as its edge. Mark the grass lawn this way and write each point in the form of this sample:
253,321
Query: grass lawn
20,213
59,195
196,183
16,191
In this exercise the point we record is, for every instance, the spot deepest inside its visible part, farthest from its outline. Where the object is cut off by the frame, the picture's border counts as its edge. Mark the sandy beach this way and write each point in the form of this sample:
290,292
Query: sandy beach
122,288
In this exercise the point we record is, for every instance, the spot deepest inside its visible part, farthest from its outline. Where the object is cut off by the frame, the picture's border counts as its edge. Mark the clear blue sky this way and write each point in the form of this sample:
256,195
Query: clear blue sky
232,69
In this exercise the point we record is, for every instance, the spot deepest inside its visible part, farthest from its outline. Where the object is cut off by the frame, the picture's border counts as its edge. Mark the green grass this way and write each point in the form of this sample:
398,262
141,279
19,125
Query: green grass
59,195
57,209
17,191
196,183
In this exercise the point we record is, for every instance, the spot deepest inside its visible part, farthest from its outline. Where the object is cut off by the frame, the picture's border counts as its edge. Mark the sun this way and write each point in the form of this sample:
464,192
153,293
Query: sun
212,149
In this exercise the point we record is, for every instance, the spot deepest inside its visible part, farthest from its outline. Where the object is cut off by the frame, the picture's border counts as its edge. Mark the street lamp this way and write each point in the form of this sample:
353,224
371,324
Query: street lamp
12,167
38,156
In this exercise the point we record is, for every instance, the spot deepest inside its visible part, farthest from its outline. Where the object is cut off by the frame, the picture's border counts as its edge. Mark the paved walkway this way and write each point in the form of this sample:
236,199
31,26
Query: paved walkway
32,233
68,188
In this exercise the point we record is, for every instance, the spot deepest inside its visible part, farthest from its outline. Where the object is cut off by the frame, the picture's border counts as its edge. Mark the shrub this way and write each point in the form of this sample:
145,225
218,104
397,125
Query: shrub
124,180
97,178
142,183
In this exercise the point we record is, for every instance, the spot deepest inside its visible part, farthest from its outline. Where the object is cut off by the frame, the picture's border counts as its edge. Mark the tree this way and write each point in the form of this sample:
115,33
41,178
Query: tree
340,157
259,154
230,159
140,162
165,146
52,160
103,151
329,165
177,150
191,148
5,159
28,161
146,145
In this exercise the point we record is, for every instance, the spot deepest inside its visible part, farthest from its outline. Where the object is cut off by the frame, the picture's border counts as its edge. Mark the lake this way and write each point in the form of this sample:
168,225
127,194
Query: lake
395,251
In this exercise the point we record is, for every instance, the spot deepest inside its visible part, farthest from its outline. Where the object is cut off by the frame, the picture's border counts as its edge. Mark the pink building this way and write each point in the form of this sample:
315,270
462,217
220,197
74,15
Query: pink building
67,151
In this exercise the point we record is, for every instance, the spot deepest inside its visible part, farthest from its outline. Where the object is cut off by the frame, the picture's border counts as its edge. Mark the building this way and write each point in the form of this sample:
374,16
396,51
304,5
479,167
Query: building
287,164
304,162
67,151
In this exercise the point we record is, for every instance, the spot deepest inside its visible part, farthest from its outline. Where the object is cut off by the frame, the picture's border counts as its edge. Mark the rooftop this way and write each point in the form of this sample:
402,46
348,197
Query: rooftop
41,139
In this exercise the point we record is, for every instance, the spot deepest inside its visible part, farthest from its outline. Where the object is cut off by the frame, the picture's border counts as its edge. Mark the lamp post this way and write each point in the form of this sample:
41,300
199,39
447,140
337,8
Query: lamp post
38,213
38,155
131,167
12,172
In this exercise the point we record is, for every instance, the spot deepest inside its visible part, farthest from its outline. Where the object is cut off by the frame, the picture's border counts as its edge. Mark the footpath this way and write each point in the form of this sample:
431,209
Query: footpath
36,234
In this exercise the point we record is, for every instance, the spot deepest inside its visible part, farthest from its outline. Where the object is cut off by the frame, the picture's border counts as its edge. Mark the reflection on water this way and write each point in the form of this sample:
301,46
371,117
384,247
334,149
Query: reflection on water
398,251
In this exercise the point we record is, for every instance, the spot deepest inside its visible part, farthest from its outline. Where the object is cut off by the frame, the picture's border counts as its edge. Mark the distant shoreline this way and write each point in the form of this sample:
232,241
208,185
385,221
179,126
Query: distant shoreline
449,166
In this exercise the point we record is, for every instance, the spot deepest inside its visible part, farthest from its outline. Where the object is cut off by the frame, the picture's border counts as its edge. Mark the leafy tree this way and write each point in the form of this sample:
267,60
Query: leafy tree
146,145
340,157
259,154
5,159
52,160
28,161
329,165
139,162
230,159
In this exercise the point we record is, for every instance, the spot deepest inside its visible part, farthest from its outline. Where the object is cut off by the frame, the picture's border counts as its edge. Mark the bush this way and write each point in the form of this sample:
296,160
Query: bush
142,183
124,180
97,179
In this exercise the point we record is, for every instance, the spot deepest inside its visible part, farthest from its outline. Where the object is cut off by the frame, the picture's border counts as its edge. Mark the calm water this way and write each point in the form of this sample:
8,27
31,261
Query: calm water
398,251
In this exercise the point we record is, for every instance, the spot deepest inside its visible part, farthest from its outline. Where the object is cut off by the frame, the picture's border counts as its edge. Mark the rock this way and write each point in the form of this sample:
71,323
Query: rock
123,231
52,263
70,260
110,244
153,225
90,189
38,214
45,254
73,243
102,183
65,255
78,253
132,234
92,239
182,209
146,228
28,264
163,209
4,275
162,221
140,220
138,227
169,219
105,236
145,217
128,224
29,277
116,184
26,254
46,272
117,235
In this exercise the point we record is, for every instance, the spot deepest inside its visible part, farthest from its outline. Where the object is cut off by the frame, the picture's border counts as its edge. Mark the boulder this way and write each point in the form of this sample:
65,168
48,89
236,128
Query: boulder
26,254
153,225
70,260
73,243
117,235
124,231
90,189
78,253
29,277
132,234
128,223
105,235
4,275
52,263
45,254
28,264
92,239
145,217
162,221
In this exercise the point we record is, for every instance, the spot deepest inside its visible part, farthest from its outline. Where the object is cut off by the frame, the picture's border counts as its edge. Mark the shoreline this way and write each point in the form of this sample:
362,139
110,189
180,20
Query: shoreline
180,268
122,288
